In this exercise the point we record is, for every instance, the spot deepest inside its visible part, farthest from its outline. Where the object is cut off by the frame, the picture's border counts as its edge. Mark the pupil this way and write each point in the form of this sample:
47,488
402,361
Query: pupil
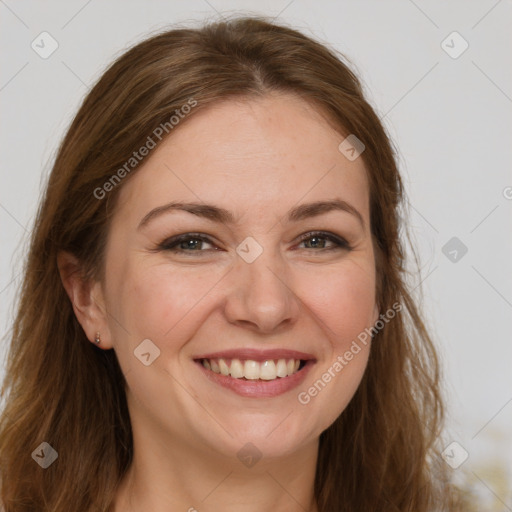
314,241
191,244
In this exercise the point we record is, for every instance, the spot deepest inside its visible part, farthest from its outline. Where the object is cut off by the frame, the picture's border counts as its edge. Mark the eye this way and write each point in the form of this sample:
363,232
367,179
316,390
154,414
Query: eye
194,242
317,240
189,242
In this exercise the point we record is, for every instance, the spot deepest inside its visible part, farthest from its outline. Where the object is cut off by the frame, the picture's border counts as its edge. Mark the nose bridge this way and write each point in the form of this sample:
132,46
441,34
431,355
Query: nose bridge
261,294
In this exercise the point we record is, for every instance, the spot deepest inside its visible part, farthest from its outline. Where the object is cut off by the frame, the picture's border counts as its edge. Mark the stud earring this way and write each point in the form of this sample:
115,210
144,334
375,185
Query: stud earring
97,338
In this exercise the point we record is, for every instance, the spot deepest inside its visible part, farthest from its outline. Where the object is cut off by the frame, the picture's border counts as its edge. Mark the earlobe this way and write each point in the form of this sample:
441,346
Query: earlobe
86,298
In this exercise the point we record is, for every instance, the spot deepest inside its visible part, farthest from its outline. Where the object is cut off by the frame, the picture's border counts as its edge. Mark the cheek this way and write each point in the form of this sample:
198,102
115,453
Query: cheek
344,307
343,301
155,300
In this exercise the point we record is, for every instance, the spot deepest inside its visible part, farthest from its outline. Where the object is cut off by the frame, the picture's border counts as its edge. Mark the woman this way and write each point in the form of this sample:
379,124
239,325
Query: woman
214,314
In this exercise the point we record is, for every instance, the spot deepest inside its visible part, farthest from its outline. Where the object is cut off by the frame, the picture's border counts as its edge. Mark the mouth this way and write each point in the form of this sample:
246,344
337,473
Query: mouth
256,374
270,369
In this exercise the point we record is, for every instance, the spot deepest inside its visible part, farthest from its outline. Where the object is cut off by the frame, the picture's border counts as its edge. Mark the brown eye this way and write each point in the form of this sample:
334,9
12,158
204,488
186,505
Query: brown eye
318,240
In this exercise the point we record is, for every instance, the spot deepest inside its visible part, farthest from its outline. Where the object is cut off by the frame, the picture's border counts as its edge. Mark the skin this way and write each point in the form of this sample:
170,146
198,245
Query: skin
257,158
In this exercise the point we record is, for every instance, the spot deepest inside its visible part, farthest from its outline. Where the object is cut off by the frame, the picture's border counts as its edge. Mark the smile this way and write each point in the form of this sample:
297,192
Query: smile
254,370
256,373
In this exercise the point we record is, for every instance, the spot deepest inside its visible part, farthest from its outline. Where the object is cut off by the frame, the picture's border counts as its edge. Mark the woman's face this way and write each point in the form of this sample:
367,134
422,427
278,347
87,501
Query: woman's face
241,292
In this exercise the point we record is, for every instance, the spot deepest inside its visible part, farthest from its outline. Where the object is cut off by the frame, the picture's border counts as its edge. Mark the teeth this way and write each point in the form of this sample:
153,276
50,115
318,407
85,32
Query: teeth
214,366
224,368
268,370
253,370
281,368
236,370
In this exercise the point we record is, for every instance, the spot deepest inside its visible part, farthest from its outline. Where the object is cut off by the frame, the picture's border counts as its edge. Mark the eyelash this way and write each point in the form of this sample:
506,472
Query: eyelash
171,243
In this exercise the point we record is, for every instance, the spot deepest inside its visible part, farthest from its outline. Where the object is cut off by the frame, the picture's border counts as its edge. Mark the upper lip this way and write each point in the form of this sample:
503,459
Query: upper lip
256,355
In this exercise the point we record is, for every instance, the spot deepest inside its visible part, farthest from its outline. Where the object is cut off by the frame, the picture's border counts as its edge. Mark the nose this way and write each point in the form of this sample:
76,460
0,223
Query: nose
261,296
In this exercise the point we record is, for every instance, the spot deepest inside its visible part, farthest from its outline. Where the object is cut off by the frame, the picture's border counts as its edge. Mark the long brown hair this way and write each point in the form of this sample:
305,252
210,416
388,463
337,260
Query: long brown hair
379,455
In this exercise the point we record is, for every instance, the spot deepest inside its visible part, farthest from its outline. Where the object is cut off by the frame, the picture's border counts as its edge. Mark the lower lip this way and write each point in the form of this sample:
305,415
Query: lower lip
259,388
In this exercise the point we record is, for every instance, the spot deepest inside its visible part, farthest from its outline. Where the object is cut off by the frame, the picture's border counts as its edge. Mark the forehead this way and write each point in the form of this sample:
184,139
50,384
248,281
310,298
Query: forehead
260,154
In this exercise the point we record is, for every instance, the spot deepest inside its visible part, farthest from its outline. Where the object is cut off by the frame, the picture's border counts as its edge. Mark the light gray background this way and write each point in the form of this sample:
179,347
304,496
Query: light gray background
450,118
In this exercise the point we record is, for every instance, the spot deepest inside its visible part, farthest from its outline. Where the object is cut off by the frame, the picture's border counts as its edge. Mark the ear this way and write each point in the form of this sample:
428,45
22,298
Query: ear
86,298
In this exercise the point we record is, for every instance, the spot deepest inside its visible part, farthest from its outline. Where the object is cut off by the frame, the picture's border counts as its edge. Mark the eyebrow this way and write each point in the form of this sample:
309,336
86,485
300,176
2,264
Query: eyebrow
223,216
